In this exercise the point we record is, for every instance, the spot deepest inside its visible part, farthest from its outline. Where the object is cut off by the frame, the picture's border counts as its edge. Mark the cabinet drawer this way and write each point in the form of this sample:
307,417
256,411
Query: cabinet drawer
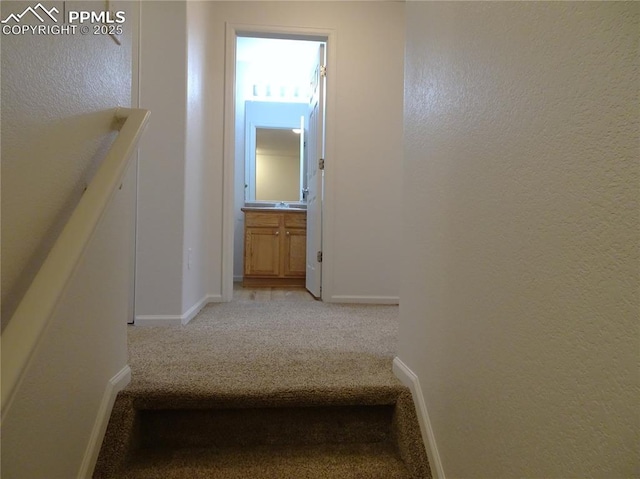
295,220
262,219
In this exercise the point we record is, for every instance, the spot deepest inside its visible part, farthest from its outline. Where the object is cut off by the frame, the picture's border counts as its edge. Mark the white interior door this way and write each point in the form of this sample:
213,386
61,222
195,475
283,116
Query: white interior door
315,154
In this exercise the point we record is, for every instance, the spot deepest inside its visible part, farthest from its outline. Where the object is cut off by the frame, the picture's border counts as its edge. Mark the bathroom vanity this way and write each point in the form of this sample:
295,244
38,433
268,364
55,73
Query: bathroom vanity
275,246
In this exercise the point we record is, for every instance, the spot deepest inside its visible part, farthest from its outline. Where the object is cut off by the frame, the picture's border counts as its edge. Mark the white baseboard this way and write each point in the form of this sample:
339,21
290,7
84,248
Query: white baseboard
175,320
157,320
116,384
214,298
409,379
195,309
363,299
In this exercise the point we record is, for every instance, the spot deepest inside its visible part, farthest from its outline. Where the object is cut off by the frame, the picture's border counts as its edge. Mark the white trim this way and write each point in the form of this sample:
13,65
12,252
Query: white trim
175,320
135,103
321,34
228,163
157,320
364,299
409,379
116,384
331,166
214,298
193,311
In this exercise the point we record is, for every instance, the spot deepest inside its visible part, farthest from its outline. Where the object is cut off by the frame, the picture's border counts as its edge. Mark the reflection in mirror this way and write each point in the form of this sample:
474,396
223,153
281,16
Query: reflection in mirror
269,131
277,164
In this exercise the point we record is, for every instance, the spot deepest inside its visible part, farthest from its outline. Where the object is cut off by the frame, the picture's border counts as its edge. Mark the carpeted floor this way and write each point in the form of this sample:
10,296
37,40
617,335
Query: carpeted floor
270,374
266,347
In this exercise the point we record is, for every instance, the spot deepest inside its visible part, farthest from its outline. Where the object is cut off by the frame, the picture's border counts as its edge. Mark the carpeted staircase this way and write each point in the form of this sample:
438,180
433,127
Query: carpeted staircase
264,390
314,435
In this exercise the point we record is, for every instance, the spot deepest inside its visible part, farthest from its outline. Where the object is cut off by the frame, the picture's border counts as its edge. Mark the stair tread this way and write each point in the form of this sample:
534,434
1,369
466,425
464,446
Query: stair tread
345,461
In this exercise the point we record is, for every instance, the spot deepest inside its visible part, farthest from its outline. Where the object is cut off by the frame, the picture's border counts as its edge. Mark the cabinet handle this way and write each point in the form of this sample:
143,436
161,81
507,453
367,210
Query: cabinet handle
288,233
277,233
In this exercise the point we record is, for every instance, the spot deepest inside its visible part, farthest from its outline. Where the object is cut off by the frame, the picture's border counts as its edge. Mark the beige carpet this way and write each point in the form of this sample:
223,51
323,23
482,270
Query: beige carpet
265,348
252,355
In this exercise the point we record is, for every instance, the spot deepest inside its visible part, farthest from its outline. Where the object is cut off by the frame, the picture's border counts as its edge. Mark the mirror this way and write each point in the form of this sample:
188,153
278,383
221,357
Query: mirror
274,153
277,165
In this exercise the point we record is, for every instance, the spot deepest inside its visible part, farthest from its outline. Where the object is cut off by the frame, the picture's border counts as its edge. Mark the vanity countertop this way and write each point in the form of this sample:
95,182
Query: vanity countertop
273,209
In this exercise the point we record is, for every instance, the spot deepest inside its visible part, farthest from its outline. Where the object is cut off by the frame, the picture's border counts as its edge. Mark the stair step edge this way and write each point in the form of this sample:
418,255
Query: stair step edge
362,461
172,399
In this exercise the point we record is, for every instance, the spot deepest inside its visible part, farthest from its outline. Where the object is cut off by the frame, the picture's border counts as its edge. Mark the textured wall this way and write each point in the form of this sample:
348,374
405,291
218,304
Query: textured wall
58,96
520,297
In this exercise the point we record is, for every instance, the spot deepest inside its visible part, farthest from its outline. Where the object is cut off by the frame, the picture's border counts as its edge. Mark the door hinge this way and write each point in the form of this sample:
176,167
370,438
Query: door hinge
321,163
323,71
319,256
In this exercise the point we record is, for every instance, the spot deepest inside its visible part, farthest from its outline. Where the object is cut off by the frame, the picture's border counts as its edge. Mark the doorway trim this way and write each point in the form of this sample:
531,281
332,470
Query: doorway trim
232,31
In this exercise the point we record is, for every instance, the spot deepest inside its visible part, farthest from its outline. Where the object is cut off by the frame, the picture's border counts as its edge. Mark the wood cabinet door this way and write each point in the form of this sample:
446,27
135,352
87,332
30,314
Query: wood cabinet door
262,252
295,252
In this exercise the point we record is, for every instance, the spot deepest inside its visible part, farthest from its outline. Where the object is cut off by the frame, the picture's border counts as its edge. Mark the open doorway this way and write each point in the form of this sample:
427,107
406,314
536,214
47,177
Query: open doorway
279,140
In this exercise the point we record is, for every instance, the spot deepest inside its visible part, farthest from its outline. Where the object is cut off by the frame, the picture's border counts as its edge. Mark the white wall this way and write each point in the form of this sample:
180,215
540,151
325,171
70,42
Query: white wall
58,98
194,266
176,226
55,423
278,175
363,164
162,165
519,309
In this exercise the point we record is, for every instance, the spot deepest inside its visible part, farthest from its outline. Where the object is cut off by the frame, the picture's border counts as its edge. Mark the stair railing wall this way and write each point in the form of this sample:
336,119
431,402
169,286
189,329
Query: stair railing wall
66,341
